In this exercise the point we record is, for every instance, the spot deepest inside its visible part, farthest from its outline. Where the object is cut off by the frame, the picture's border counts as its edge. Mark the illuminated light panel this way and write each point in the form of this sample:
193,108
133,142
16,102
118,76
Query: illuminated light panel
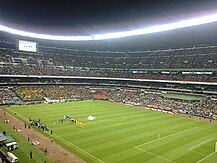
148,30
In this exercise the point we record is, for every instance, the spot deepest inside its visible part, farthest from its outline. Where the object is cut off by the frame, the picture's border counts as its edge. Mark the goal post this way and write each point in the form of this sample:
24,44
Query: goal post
216,147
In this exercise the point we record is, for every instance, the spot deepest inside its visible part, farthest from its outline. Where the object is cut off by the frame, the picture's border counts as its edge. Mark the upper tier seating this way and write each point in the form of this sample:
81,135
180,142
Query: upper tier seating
160,64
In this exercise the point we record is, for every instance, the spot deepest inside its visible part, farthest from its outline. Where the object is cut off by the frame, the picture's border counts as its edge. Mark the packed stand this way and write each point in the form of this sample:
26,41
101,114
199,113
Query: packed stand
38,93
8,97
160,64
206,108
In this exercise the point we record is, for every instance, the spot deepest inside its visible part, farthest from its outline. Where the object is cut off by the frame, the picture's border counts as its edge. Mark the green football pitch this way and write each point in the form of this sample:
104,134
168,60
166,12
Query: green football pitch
125,134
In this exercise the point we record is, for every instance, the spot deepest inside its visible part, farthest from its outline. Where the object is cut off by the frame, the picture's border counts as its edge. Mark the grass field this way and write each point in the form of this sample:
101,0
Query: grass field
125,134
24,147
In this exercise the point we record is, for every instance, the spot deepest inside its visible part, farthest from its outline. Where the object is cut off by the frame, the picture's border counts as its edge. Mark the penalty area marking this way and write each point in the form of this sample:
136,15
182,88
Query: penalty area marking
166,136
198,152
205,157
191,149
154,154
162,133
138,146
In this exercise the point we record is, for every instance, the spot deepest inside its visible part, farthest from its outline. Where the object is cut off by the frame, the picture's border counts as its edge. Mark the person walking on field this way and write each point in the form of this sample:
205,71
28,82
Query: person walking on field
30,154
45,151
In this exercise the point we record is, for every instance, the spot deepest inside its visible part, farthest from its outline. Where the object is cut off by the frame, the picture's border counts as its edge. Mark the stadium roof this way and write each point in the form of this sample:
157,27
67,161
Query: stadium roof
112,35
85,17
91,18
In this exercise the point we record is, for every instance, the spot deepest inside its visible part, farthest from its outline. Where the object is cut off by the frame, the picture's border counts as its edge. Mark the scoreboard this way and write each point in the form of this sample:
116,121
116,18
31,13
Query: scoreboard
27,46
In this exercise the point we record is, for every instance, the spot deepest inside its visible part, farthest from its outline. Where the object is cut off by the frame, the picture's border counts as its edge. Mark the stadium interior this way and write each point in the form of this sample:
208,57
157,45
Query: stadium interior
150,78
176,81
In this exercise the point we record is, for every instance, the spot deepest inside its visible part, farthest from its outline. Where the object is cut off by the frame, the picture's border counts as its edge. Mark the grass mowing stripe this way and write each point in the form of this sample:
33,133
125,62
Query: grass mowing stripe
86,153
112,137
58,137
135,138
206,157
154,154
200,144
123,130
109,135
178,142
166,137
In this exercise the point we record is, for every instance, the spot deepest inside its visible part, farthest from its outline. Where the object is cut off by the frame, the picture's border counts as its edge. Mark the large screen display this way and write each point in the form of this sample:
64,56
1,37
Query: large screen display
28,46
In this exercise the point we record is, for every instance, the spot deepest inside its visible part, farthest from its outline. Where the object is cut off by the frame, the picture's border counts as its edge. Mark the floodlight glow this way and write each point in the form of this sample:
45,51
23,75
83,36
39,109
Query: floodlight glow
44,36
159,28
154,29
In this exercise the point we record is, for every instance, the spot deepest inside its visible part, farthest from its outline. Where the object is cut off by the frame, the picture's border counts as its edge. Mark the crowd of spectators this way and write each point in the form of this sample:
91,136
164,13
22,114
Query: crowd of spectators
205,107
8,97
160,64
38,93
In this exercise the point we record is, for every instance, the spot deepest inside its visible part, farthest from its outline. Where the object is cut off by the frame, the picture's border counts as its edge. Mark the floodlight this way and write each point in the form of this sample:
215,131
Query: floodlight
159,28
142,31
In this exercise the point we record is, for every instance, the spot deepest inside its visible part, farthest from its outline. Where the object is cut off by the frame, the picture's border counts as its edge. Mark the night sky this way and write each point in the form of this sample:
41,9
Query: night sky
87,17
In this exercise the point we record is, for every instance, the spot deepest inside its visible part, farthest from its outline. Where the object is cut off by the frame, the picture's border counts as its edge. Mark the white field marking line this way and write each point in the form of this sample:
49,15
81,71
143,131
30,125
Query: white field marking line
197,152
191,149
162,133
79,148
154,154
166,136
200,144
205,157
137,147
19,115
71,144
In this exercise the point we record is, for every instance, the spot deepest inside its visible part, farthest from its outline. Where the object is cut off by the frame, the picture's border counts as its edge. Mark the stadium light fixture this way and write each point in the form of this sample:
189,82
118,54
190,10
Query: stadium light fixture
142,31
44,36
